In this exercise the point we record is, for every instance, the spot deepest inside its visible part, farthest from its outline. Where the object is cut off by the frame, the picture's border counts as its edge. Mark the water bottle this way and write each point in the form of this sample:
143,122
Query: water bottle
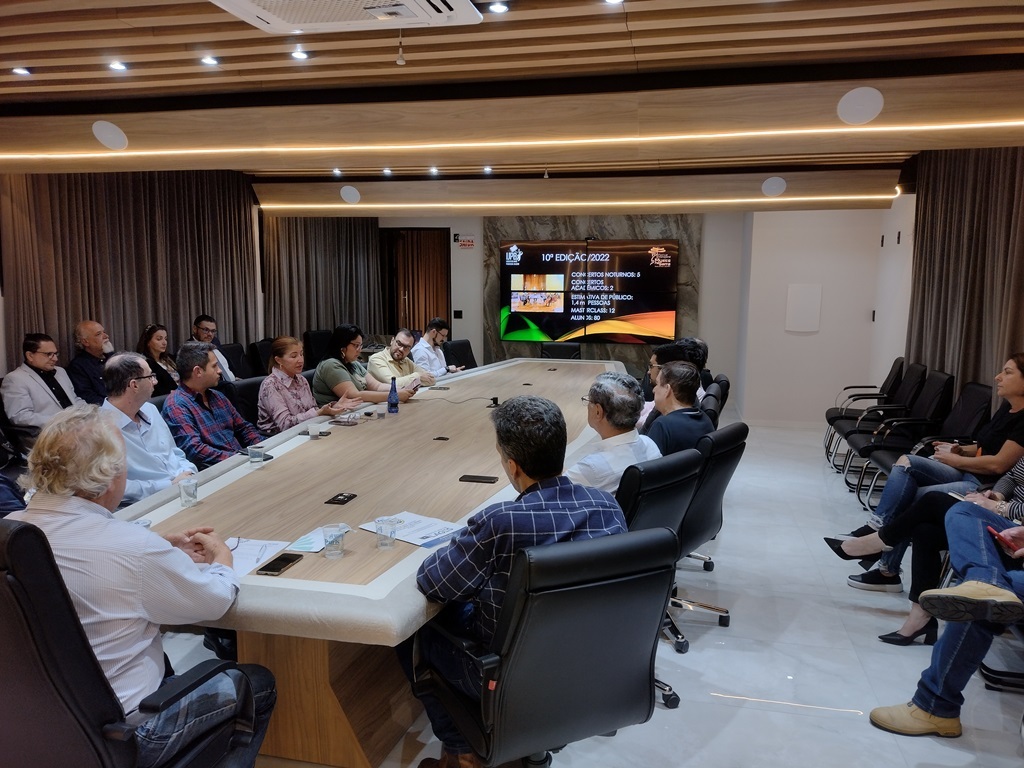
393,397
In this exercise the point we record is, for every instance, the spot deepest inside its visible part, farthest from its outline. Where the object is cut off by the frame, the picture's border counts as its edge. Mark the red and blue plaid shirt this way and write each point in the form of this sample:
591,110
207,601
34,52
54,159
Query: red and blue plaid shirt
207,435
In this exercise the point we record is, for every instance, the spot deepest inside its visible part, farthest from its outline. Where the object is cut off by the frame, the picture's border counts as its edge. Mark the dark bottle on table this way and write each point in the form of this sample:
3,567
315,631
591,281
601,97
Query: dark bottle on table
393,397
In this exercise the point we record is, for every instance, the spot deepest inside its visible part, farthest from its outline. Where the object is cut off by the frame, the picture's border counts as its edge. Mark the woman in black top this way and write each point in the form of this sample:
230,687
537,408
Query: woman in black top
153,346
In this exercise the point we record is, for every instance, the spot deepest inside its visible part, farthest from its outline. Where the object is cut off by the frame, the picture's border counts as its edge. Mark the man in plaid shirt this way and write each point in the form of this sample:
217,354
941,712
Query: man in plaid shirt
472,572
203,422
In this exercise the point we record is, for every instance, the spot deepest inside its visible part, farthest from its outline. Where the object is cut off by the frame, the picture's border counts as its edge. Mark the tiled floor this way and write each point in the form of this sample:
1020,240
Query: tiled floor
791,681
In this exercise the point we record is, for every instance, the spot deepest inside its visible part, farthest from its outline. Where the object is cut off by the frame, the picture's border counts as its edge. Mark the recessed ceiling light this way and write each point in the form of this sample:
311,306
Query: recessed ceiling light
298,53
498,7
209,61
109,135
433,170
613,2
118,66
860,106
336,171
21,71
487,169
386,171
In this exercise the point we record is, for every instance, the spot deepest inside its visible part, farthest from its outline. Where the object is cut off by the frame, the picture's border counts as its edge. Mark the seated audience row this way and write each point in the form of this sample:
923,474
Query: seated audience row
340,375
285,396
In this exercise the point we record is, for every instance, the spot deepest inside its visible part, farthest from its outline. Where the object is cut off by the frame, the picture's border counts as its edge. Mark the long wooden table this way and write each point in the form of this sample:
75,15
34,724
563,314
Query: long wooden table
326,627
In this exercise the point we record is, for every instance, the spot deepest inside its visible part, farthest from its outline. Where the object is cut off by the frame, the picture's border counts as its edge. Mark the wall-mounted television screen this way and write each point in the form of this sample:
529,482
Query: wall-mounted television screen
620,291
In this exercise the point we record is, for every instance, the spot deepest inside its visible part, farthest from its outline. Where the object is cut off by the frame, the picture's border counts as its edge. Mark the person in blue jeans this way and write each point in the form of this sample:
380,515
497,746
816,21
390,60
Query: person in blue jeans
977,610
952,467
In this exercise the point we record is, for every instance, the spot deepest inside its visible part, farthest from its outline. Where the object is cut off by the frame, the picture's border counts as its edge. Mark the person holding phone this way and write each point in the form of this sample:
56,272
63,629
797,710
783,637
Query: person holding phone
952,467
924,526
977,609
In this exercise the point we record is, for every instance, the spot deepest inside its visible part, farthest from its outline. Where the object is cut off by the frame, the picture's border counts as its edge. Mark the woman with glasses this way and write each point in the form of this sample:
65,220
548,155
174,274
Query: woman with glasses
285,396
153,346
341,375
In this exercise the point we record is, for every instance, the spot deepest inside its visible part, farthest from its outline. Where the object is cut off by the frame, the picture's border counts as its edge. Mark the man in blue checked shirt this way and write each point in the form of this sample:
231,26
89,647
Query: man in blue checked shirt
472,571
204,423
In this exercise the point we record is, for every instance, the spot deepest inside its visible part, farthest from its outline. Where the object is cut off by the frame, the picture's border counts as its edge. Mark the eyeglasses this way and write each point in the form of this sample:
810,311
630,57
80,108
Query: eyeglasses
51,355
356,344
652,367
586,399
203,329
406,347
443,335
151,377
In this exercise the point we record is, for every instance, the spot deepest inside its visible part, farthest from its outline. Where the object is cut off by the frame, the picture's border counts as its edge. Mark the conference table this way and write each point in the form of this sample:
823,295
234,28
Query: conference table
327,628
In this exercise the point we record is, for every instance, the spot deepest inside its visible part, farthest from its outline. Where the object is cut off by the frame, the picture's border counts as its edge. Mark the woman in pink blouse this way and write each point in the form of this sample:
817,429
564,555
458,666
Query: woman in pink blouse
285,397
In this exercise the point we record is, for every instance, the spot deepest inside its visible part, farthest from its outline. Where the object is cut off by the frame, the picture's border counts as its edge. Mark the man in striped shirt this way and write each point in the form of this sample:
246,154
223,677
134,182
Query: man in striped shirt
471,574
125,581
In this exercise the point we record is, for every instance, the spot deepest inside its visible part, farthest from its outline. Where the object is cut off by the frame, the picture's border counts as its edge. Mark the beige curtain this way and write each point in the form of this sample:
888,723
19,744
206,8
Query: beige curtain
966,305
127,249
320,272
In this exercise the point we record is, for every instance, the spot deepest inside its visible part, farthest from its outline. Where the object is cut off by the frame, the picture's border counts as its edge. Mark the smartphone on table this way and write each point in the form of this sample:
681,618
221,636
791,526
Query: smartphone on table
279,564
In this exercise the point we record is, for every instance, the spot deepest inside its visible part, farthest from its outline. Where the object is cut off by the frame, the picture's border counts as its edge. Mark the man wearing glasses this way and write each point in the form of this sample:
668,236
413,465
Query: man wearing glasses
204,328
428,354
154,461
613,407
394,361
36,390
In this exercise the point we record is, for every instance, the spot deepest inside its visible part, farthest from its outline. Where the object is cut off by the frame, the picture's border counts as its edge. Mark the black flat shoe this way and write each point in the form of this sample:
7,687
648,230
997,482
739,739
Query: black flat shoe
837,546
929,630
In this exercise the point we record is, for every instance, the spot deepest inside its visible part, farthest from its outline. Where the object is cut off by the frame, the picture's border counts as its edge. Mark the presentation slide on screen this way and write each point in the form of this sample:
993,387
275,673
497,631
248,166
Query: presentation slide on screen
598,290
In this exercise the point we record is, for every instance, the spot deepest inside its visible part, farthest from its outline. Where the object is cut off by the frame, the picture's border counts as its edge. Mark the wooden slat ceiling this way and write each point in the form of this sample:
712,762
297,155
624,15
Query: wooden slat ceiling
547,70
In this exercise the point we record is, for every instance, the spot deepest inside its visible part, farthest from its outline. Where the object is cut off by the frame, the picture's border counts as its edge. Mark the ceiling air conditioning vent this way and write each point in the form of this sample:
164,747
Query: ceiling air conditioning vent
285,17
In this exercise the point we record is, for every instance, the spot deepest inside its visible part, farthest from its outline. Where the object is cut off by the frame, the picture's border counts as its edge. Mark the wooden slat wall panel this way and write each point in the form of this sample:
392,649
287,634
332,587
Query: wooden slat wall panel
69,44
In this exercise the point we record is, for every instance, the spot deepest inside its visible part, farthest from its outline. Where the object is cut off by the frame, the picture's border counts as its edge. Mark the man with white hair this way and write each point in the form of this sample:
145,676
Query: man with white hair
613,407
86,367
125,581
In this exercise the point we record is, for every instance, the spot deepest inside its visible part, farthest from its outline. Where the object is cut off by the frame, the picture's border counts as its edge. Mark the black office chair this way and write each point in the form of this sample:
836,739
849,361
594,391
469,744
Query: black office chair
235,355
881,407
573,654
314,346
971,411
899,386
723,383
58,710
930,408
459,352
711,407
722,451
259,356
158,401
247,392
657,494
560,350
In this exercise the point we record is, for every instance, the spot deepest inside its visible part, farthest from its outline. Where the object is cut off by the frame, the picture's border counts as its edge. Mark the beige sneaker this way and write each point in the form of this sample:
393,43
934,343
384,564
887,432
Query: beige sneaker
973,601
910,720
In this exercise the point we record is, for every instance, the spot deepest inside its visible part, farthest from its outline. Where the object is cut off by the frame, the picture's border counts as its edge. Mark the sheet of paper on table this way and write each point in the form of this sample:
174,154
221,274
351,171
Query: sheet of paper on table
249,553
419,530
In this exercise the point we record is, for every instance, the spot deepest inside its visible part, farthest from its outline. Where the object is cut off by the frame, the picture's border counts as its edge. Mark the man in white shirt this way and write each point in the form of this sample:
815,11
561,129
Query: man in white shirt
613,407
428,353
393,362
154,461
204,328
125,581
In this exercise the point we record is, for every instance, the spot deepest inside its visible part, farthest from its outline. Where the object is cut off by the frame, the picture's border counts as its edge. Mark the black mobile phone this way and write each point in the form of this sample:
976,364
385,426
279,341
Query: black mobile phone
443,389
279,564
478,479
